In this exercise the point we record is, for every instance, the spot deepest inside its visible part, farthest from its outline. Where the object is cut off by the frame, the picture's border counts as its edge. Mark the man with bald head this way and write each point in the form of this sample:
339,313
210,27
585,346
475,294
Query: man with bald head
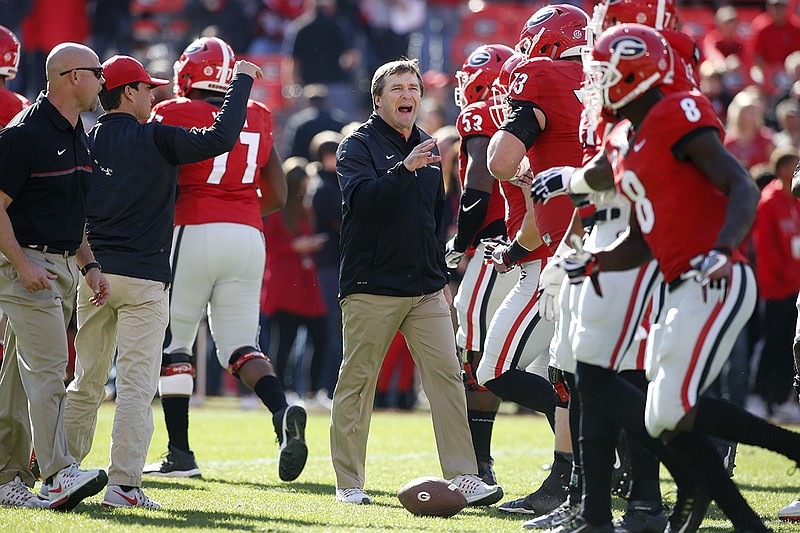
45,172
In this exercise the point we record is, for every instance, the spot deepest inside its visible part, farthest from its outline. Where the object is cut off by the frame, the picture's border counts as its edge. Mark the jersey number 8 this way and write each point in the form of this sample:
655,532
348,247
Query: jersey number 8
634,189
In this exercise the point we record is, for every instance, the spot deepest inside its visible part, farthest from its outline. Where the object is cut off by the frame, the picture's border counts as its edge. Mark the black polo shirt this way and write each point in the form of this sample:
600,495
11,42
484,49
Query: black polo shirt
46,168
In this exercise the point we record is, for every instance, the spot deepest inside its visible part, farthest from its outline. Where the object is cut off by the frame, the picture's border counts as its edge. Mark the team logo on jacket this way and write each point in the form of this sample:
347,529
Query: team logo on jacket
628,47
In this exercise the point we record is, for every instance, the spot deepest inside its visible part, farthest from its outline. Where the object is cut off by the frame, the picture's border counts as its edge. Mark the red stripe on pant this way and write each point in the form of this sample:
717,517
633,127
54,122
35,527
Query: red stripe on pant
696,355
474,300
498,369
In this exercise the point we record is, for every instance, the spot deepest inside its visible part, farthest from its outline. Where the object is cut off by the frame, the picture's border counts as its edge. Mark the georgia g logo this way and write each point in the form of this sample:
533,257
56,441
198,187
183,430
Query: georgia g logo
540,16
192,48
628,47
479,58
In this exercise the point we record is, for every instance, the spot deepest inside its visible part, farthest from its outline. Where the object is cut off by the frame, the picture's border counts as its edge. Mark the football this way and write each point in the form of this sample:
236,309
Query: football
431,496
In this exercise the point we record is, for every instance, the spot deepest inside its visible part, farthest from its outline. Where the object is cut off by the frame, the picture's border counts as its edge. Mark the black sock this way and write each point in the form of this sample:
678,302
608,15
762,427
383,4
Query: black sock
127,488
599,436
527,390
714,418
645,484
624,404
481,424
176,415
576,479
703,461
269,390
562,462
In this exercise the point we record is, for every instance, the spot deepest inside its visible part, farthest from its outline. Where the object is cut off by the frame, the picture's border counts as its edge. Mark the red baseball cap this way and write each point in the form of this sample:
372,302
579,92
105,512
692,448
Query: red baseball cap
121,70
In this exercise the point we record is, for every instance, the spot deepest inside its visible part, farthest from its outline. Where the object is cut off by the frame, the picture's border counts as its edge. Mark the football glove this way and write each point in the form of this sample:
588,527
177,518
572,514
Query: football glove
550,182
712,270
550,283
523,177
580,264
495,253
452,256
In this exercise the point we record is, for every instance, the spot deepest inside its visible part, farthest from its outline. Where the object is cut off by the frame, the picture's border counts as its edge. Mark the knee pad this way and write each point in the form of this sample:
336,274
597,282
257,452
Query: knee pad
242,355
556,376
177,374
468,365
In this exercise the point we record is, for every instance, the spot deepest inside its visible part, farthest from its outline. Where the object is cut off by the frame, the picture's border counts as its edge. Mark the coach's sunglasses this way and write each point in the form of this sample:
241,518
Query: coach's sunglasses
97,71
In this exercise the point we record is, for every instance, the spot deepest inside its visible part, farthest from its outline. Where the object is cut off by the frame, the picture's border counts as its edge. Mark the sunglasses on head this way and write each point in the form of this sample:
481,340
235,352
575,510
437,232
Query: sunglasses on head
97,71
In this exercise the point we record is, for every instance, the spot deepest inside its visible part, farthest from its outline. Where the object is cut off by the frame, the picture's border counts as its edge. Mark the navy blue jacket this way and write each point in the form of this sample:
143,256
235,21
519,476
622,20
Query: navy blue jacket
392,231
131,202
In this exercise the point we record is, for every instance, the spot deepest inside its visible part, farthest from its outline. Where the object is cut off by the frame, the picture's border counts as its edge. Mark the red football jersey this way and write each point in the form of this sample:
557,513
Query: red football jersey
473,121
222,189
11,103
680,211
555,88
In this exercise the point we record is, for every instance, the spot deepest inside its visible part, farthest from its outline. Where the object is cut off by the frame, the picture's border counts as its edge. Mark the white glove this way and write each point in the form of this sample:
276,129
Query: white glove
550,284
452,256
550,182
523,177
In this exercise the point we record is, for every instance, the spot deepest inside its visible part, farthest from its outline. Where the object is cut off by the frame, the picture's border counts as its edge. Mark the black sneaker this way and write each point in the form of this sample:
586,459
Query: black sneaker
560,515
580,525
689,511
641,517
290,425
486,472
546,498
176,463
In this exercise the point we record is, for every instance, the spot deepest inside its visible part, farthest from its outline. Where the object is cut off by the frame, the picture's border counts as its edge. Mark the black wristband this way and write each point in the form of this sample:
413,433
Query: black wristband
516,252
88,266
723,249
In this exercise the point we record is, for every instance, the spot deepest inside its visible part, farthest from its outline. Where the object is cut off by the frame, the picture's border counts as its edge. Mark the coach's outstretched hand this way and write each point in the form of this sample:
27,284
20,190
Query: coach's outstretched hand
421,155
246,67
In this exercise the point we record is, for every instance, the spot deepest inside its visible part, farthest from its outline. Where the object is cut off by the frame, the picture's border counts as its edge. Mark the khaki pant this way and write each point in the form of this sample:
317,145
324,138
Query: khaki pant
369,325
31,377
132,323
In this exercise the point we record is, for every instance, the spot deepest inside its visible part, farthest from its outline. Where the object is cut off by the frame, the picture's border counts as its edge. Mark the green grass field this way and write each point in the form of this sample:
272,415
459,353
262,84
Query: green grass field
240,489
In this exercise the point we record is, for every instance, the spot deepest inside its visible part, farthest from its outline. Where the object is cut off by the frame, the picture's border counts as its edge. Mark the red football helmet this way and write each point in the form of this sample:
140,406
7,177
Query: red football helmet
628,60
658,14
479,72
557,31
498,109
206,64
9,53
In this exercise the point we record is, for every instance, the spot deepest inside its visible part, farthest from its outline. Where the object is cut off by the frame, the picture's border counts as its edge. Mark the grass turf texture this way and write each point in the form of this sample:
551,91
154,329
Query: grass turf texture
241,491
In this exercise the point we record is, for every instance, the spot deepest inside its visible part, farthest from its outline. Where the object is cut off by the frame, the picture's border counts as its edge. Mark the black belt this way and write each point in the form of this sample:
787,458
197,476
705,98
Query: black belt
50,250
601,215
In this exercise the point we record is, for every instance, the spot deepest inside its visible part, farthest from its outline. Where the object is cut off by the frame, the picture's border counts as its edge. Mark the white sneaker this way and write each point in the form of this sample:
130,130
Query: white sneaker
71,485
17,494
116,497
790,513
317,401
353,495
476,491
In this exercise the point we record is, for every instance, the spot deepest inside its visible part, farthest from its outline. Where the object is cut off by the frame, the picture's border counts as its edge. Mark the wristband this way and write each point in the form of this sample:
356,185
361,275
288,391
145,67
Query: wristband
86,268
516,252
727,250
577,183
